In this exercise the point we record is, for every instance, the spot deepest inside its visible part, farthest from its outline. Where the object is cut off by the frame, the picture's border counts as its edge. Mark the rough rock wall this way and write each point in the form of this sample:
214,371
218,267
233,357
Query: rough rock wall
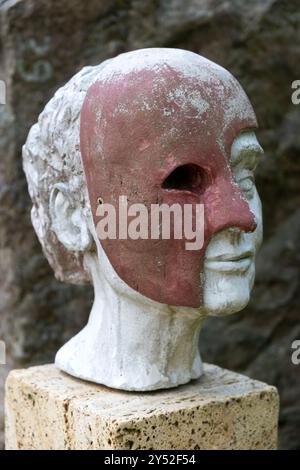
43,43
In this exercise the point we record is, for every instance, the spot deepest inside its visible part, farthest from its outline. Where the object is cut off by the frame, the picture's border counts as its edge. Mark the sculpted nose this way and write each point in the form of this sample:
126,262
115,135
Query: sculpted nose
226,207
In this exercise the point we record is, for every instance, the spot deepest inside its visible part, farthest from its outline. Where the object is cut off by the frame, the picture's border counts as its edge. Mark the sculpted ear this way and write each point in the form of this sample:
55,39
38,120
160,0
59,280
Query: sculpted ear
68,220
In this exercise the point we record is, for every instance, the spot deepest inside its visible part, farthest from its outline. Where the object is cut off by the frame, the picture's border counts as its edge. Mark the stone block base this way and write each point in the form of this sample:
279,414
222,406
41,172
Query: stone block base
47,409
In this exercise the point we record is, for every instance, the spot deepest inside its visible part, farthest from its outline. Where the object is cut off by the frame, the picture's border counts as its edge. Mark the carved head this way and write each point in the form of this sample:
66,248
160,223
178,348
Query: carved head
159,126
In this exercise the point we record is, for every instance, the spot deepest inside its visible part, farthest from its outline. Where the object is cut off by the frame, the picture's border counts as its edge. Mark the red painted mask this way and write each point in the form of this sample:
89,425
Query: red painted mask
158,128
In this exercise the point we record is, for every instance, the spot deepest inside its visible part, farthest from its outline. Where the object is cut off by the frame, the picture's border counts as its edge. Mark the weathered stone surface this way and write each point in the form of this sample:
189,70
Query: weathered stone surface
47,409
259,43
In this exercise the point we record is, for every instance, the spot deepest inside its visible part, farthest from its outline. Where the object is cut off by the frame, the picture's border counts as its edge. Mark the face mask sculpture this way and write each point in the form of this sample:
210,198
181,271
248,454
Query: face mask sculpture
156,126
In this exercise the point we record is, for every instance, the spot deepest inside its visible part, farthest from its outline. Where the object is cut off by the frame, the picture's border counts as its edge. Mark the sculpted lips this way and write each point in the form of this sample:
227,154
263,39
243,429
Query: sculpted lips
235,262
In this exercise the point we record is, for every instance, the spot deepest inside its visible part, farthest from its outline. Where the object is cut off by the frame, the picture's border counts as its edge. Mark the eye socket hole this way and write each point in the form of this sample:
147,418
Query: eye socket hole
188,177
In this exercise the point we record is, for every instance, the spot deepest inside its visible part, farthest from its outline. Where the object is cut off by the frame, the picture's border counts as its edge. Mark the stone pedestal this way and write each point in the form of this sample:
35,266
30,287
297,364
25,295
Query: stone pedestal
47,409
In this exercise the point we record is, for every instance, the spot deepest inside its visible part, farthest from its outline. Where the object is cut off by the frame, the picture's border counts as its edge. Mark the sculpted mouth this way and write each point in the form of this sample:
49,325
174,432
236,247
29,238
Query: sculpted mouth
240,262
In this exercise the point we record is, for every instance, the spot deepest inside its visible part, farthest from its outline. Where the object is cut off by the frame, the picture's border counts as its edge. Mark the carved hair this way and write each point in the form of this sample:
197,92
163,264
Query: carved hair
51,155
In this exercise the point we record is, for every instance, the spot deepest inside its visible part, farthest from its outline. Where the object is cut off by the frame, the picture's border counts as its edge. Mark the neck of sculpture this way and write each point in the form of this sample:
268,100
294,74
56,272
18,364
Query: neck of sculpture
133,343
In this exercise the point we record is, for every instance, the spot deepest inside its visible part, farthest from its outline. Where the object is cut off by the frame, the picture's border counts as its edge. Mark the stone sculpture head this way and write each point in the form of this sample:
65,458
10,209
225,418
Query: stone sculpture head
159,126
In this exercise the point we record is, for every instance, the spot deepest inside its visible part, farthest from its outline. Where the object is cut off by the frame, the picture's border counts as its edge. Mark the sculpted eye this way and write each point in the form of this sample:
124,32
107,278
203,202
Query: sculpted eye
247,185
188,177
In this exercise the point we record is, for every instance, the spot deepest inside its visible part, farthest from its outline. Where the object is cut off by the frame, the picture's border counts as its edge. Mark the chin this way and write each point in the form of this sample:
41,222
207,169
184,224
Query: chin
225,294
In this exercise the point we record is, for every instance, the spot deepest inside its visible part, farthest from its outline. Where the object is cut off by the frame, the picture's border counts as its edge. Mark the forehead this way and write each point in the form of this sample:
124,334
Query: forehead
158,117
166,102
168,88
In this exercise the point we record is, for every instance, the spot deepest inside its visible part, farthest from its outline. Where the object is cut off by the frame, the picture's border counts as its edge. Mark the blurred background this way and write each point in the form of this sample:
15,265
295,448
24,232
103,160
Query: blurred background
45,42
